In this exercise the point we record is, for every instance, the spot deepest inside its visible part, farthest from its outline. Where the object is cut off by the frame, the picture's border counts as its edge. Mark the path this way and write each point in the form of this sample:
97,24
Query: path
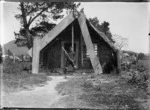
40,97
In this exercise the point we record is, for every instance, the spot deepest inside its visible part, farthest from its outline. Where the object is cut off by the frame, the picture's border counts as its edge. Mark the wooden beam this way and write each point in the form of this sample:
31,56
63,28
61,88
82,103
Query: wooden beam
118,61
81,45
55,32
36,55
89,45
72,37
77,53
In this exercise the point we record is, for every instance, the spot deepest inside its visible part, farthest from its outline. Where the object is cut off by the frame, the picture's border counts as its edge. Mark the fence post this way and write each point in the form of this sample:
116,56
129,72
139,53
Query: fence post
36,55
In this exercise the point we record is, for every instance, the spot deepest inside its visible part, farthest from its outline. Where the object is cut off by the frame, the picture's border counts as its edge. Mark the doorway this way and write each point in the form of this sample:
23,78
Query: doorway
67,45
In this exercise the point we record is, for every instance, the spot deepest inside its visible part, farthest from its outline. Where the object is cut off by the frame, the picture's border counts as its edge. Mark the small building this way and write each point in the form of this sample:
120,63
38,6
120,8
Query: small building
69,33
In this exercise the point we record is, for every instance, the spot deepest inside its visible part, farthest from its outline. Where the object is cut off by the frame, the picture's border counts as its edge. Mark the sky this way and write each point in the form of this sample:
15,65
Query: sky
129,20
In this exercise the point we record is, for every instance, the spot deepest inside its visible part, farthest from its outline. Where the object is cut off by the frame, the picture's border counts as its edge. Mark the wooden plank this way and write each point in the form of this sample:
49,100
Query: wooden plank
89,45
36,55
57,30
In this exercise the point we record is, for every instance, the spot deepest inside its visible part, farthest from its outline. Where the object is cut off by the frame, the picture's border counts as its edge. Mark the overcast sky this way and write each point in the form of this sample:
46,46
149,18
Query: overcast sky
129,20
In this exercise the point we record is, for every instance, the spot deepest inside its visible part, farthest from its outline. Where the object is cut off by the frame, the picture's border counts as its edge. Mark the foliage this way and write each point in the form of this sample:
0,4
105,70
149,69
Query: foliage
138,74
114,94
35,18
24,81
104,27
42,28
111,93
16,78
130,53
14,68
141,56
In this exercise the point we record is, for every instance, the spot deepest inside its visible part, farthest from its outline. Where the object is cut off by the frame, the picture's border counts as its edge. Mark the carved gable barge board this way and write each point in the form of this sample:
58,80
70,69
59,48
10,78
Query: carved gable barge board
55,32
89,45
104,37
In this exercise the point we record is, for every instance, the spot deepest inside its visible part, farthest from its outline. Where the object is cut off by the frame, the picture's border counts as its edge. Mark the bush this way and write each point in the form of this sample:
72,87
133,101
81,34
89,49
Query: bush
14,68
16,78
140,67
139,75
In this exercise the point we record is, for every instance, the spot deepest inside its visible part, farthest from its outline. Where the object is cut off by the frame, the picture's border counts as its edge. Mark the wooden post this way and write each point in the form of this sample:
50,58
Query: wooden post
72,37
81,45
36,55
89,45
62,55
118,61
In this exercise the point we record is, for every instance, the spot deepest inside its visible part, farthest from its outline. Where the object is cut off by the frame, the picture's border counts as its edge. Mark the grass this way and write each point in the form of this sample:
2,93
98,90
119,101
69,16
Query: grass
113,93
15,78
72,90
70,87
15,83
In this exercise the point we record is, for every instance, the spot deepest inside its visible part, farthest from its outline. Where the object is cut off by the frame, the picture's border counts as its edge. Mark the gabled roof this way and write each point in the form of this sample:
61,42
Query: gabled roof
55,31
61,26
104,37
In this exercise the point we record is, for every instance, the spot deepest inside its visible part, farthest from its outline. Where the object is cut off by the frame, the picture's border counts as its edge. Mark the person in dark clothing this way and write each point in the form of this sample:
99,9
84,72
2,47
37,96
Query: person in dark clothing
70,60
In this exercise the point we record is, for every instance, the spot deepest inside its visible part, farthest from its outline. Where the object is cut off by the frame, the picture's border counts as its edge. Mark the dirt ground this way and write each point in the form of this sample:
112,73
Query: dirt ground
40,97
81,91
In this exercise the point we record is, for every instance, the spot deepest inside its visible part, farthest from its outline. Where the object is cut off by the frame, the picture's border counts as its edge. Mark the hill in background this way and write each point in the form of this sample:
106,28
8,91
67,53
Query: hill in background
15,49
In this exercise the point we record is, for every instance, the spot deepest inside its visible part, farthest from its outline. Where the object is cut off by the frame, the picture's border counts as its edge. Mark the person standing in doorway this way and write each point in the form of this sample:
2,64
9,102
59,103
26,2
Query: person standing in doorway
70,60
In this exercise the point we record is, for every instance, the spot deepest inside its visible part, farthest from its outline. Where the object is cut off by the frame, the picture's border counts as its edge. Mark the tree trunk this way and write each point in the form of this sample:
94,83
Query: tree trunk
28,37
26,26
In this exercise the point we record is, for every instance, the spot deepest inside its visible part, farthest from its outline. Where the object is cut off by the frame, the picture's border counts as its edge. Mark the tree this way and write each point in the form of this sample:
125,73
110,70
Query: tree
35,19
141,56
103,27
120,42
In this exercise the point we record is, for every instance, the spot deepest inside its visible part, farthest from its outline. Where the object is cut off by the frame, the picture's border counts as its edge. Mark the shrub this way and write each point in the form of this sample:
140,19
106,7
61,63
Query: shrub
140,75
140,67
14,68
